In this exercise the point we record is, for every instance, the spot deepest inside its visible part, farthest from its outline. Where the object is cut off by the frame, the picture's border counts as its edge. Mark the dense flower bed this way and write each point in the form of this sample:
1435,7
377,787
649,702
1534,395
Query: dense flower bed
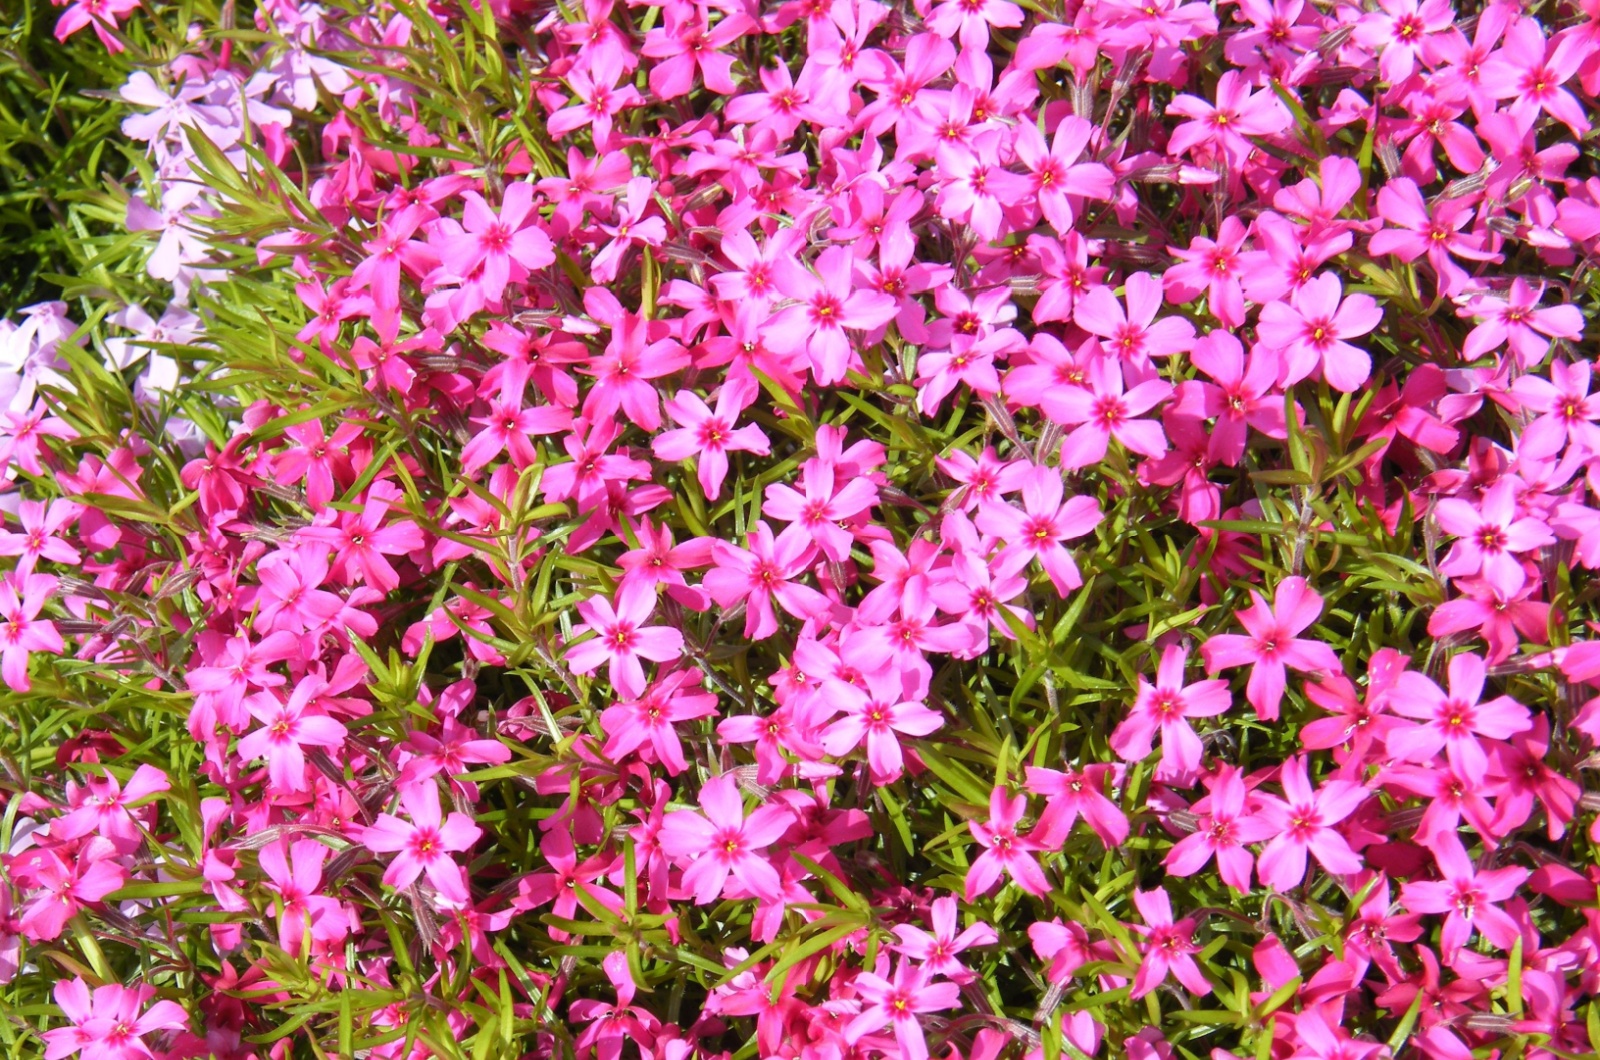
814,529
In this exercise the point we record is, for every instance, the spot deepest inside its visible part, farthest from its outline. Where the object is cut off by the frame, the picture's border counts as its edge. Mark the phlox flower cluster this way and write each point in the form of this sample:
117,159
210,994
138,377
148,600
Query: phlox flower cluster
812,530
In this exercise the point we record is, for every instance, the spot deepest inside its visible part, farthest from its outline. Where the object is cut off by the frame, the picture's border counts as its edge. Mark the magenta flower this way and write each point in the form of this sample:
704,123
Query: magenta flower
1238,113
1467,896
1169,947
723,841
1273,645
1304,822
1165,707
648,724
632,226
1103,411
1456,721
424,844
1037,532
622,640
814,516
1532,71
1005,851
39,538
708,436
111,1023
1073,793
937,951
1416,230
896,1004
22,631
1057,174
286,727
1213,266
1309,333
498,249
765,573
1135,335
509,424
1489,535
1401,29
1226,825
828,304
875,714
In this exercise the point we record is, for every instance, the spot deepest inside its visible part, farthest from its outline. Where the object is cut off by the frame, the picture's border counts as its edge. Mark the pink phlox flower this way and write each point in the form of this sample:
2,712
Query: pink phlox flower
828,303
1038,530
55,886
1071,793
1223,126
567,879
361,540
1065,946
612,1026
295,874
290,596
638,351
103,16
815,515
1242,394
631,227
423,845
659,560
1133,335
1379,924
1456,721
1319,202
709,436
1359,722
1568,411
937,950
600,95
1402,30
1165,707
111,1023
450,752
1101,410
1056,171
969,21
1519,767
1169,946
1005,851
1225,824
1497,610
1451,794
102,807
22,436
1286,257
391,255
1304,821
621,640
39,535
721,841
1214,267
1418,229
22,631
767,572
316,459
1273,645
1310,330
687,42
1531,71
896,1003
1490,535
647,725
1467,896
985,480
888,706
286,728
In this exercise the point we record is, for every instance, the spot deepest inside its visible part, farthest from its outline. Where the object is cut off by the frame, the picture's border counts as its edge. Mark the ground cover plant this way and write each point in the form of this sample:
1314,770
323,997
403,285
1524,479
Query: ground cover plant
822,530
